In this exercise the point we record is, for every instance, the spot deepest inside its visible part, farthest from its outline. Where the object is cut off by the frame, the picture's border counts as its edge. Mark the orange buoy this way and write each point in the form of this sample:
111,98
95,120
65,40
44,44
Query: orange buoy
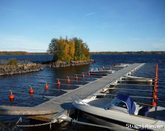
11,96
31,91
46,86
58,83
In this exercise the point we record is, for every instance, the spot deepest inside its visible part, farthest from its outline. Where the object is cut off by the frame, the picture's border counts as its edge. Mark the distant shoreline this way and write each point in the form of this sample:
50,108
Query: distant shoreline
21,53
99,52
130,52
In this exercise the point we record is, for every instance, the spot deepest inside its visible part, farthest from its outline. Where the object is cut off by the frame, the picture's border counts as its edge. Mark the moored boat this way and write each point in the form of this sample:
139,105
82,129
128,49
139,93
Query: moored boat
137,79
124,112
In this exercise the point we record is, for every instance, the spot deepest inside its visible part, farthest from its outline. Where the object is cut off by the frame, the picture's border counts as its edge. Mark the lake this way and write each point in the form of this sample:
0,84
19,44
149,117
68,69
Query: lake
20,84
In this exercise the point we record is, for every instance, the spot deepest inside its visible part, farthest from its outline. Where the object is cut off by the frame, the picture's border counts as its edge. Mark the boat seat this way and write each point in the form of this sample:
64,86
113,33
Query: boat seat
143,111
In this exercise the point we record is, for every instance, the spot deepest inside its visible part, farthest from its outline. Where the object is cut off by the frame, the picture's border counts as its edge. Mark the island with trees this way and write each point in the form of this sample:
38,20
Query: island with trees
66,52
69,52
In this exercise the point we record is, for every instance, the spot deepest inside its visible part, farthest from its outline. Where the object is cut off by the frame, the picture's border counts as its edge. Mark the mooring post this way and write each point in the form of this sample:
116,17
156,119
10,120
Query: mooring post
155,89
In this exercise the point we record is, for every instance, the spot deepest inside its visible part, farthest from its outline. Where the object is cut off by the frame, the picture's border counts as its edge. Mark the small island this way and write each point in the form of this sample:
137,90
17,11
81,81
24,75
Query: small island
66,52
69,52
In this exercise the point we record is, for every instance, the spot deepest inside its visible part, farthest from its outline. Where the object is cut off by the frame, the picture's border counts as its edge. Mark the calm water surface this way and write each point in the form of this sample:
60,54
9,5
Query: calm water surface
20,84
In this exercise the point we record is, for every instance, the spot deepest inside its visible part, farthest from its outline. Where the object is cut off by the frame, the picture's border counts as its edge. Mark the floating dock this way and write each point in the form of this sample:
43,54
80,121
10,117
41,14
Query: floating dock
53,108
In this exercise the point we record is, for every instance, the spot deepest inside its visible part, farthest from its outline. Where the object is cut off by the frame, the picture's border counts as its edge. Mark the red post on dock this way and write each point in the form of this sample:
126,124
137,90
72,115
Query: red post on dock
155,88
156,79
155,96
154,103
157,71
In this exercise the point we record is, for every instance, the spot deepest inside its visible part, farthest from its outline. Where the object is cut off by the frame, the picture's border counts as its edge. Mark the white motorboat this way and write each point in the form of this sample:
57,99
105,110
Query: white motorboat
124,112
104,72
137,79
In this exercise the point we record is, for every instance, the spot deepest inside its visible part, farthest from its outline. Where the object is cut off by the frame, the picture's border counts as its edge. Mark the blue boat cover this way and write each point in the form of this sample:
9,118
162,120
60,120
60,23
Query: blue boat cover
129,102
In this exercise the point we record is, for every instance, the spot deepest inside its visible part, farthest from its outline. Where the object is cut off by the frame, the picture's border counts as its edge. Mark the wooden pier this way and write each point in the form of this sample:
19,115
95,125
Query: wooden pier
52,109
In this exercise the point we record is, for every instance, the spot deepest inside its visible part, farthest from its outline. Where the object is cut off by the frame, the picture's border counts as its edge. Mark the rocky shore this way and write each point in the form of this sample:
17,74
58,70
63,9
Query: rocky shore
7,69
19,68
59,64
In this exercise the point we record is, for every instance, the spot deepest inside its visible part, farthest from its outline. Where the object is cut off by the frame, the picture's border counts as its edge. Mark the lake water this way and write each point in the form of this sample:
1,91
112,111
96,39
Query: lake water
20,84
34,58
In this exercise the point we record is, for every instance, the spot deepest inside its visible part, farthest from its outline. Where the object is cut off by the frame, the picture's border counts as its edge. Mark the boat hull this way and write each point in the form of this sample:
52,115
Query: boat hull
121,118
107,122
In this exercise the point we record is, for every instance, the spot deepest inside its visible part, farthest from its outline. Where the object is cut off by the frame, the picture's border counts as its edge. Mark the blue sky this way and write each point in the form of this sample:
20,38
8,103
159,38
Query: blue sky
105,25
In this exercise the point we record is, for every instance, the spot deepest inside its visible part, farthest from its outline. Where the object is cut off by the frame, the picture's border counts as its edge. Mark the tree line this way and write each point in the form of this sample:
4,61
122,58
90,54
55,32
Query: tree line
68,50
13,53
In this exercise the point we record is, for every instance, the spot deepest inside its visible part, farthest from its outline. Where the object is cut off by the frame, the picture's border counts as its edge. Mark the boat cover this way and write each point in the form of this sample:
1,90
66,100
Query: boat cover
129,102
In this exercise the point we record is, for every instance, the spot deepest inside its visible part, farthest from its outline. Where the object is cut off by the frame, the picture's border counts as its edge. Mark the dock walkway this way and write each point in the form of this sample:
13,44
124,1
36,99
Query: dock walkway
51,109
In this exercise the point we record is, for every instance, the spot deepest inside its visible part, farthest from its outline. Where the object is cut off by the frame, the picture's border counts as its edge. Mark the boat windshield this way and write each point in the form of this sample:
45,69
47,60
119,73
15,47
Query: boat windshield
119,103
124,101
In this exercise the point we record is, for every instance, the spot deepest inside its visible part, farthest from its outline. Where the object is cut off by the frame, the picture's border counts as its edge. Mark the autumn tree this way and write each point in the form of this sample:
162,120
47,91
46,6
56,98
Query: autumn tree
67,50
72,48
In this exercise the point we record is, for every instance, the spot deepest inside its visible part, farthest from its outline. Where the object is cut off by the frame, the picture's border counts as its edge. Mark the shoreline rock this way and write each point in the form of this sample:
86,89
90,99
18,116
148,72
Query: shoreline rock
19,69
61,64
6,69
